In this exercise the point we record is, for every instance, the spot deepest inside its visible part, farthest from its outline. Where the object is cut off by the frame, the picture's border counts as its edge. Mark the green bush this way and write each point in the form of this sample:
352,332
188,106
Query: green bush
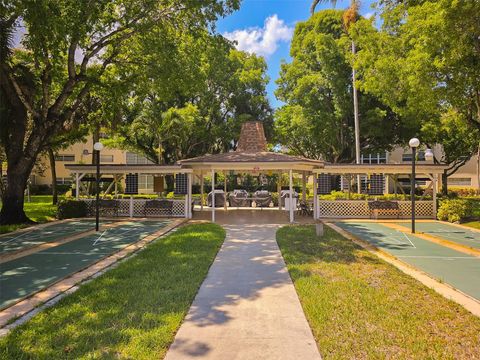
275,198
71,209
454,210
463,192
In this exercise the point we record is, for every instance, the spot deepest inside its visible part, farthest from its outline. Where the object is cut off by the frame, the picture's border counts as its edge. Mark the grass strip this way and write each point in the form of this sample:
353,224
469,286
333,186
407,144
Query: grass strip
132,311
360,307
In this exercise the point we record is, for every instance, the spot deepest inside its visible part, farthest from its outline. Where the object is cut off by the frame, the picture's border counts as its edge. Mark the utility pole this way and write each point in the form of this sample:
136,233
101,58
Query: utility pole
357,123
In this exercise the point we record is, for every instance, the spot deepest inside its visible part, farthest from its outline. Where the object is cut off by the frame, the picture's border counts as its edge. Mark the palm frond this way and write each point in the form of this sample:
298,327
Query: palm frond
316,2
6,38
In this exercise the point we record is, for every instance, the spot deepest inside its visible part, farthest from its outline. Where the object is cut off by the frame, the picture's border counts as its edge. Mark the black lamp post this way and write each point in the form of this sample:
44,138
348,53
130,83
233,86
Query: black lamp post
98,146
414,143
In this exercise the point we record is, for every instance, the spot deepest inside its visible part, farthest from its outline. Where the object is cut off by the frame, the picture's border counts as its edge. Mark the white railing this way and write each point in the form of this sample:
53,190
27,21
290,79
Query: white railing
136,208
359,209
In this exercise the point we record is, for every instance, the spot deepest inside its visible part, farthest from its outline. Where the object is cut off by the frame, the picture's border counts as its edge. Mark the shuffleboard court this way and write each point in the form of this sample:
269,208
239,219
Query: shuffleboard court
457,269
27,275
28,238
462,236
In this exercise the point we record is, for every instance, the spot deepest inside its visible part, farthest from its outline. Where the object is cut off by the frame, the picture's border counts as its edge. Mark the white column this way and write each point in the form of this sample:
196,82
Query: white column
315,197
225,190
213,195
304,187
291,196
189,195
434,189
131,207
185,207
201,191
77,186
279,190
115,178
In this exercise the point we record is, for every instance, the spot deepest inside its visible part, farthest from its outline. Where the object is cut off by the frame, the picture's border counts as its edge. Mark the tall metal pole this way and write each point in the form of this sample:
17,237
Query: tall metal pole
412,190
97,202
356,118
213,195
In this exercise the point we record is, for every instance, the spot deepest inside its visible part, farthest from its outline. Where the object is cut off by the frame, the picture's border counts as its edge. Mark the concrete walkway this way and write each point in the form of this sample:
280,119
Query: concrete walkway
247,307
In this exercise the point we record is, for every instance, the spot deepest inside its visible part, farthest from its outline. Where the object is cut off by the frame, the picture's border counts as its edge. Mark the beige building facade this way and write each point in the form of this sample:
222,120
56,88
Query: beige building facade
81,153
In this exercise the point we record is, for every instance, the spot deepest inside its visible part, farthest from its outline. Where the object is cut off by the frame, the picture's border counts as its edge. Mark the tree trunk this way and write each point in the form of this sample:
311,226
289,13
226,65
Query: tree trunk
444,183
12,199
51,157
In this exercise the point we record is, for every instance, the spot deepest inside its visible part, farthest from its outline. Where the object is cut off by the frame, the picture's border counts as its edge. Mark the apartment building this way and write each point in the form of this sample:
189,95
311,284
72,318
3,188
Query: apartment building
81,153
466,176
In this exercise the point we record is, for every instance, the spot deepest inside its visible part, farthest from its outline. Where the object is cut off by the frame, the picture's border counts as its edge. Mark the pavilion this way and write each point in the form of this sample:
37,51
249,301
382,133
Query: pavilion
251,156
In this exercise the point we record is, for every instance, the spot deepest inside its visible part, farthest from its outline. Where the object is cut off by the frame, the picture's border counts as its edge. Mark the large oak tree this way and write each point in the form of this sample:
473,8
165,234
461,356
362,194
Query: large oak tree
318,118
424,62
44,85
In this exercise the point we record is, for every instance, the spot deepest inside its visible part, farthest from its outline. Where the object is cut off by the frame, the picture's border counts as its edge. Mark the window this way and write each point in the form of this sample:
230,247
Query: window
106,158
145,183
374,158
60,157
133,158
408,157
460,181
64,181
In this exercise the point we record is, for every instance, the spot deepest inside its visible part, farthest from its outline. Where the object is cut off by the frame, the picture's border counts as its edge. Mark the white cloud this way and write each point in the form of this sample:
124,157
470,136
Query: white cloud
262,41
369,15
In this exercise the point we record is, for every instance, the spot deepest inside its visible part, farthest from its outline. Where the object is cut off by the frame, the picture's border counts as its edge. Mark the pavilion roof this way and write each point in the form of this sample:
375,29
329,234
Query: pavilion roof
393,169
257,157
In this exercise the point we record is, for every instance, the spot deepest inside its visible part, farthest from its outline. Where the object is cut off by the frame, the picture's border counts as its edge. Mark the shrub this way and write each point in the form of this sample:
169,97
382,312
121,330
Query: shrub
463,192
275,198
40,189
45,189
71,209
454,210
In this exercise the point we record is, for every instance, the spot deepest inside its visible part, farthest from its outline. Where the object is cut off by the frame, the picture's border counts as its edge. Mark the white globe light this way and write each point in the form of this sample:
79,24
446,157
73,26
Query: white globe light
414,143
428,154
98,146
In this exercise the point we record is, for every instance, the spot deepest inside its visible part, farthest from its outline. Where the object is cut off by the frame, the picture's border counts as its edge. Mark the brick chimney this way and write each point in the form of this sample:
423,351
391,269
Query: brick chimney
252,137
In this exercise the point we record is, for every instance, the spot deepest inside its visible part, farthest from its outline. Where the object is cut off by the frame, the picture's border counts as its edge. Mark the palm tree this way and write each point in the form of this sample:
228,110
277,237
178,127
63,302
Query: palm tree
349,17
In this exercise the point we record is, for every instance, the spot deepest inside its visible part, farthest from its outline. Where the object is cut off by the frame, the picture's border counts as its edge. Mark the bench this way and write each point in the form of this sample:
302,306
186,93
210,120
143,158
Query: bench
385,208
159,207
108,207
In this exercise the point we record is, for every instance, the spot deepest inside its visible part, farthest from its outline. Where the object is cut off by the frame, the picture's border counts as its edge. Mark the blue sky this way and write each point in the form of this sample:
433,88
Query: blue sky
265,27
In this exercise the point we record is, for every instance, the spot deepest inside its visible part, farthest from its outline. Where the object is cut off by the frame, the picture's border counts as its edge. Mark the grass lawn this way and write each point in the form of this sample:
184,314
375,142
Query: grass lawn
476,214
40,209
359,306
472,224
130,312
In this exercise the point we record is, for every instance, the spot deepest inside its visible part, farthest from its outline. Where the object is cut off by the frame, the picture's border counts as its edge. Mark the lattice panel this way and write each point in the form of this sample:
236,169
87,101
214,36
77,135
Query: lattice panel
178,209
324,184
376,184
123,207
343,209
181,184
359,209
90,207
423,209
131,184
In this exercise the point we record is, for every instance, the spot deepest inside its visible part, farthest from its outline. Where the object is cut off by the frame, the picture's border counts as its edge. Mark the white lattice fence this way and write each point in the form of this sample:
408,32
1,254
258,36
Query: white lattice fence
423,209
139,210
343,209
359,209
